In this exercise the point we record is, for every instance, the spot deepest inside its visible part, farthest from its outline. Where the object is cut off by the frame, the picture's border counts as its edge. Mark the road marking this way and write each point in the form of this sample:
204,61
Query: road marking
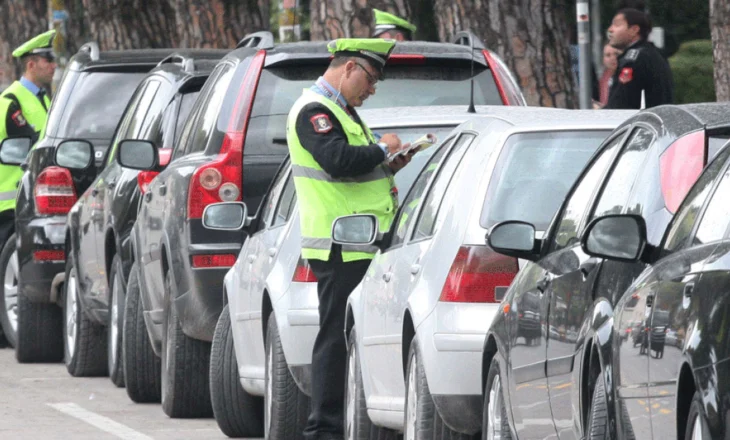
104,423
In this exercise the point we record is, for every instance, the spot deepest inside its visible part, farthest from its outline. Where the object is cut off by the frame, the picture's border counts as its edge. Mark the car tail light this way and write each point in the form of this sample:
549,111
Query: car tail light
144,178
303,273
217,260
45,256
406,58
504,81
680,165
476,275
54,191
220,180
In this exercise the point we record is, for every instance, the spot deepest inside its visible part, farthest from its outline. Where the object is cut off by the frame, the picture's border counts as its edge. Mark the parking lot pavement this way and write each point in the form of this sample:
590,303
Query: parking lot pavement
42,401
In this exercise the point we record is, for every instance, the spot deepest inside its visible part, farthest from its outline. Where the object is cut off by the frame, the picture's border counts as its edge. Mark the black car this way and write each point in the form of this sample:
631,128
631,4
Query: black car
230,150
662,390
645,168
91,97
98,251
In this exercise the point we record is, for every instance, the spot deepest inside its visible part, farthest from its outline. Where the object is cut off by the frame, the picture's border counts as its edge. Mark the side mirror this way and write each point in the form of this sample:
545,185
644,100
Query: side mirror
615,237
75,154
514,239
138,155
225,216
358,229
13,151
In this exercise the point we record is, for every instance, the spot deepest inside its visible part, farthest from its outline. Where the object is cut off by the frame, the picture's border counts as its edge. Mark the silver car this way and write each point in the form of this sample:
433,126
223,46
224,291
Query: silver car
416,323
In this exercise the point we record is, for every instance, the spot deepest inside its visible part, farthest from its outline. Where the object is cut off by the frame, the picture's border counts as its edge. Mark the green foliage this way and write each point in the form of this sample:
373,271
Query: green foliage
692,68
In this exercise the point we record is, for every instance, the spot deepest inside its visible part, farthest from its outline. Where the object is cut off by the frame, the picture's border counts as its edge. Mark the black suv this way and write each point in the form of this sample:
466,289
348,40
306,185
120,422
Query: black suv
91,97
230,149
98,251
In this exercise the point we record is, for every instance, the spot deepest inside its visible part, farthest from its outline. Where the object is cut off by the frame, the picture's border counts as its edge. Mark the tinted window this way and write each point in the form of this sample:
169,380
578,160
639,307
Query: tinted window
717,214
91,112
123,127
715,143
286,203
186,105
267,208
534,173
210,106
143,109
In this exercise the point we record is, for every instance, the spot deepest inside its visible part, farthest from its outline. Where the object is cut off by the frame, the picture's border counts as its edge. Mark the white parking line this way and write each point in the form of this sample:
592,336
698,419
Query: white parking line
104,423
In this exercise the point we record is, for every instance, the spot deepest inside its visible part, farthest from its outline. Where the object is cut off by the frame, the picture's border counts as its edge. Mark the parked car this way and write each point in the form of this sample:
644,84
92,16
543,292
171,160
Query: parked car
98,251
429,295
230,149
645,169
90,99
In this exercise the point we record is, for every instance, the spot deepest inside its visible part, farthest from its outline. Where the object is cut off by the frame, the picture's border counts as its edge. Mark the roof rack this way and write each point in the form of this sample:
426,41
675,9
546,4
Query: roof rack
468,38
259,40
187,64
92,48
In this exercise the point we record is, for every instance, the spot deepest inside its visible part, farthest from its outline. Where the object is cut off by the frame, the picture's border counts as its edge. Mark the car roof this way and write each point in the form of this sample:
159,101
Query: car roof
89,58
677,120
186,65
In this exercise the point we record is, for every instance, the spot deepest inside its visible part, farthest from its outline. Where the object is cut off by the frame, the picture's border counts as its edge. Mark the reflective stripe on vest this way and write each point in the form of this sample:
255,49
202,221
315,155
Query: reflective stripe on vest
322,198
9,174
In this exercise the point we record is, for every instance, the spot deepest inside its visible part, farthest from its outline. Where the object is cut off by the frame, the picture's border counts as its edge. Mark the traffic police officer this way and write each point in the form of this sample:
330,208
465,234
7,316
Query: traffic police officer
339,168
392,27
24,108
641,68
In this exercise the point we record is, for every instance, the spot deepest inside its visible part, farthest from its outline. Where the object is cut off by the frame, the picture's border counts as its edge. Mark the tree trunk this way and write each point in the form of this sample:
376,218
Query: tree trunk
530,35
720,26
218,23
20,20
131,24
340,19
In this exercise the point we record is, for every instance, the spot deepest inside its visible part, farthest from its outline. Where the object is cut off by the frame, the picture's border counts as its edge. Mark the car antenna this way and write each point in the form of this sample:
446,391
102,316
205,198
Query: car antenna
471,108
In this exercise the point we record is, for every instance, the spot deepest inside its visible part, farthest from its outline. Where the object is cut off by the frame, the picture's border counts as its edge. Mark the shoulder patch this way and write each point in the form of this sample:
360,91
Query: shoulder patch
632,55
321,123
626,75
19,119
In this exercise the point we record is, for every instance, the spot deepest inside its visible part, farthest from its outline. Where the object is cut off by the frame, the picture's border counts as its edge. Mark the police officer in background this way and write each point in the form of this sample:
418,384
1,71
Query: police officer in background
390,26
641,68
339,169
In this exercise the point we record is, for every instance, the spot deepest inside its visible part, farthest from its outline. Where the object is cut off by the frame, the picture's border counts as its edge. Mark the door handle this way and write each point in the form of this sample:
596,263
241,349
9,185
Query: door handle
272,252
415,269
148,196
111,185
588,266
689,289
94,192
163,189
386,276
543,284
251,258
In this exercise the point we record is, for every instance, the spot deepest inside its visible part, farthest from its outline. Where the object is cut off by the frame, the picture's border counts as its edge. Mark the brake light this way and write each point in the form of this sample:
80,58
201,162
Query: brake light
680,166
219,260
492,63
406,58
45,256
219,180
303,273
54,191
476,275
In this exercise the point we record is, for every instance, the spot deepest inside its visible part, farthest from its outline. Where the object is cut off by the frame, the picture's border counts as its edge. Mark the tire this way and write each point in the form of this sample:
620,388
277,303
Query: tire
495,424
116,322
597,423
9,291
40,332
286,407
141,365
357,422
237,413
85,341
185,369
696,425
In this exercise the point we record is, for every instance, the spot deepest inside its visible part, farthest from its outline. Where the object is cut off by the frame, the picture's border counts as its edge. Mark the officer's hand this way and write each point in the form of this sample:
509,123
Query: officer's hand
392,141
399,162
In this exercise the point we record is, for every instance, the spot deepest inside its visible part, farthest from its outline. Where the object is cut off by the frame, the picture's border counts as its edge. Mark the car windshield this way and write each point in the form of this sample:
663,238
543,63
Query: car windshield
534,173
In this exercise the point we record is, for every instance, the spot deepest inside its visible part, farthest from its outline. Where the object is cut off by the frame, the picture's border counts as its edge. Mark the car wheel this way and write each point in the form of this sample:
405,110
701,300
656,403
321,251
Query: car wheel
116,321
696,425
185,368
286,407
9,294
495,425
597,423
142,367
85,340
357,422
237,413
40,332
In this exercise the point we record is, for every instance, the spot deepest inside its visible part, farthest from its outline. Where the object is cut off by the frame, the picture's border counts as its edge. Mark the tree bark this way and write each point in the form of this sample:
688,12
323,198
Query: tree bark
131,24
720,27
20,20
218,23
332,19
529,35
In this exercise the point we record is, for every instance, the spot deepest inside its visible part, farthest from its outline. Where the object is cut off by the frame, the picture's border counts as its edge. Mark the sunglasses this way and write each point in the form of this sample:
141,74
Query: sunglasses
371,79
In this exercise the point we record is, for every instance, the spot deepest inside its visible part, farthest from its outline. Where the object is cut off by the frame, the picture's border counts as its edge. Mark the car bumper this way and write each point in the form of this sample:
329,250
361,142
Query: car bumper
36,277
199,308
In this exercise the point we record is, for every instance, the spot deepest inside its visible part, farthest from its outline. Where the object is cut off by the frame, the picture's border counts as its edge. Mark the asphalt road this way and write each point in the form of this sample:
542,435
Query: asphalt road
42,401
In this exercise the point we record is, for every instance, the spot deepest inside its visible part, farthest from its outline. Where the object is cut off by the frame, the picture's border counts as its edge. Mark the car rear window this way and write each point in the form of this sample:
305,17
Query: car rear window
534,173
92,112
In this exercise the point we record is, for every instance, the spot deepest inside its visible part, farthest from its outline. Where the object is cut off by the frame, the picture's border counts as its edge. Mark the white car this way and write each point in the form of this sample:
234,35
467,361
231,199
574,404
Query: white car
416,323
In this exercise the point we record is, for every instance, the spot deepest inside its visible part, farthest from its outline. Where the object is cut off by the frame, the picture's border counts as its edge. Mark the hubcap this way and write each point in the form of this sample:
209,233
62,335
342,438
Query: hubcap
71,314
494,430
269,390
114,322
411,401
10,290
351,395
697,429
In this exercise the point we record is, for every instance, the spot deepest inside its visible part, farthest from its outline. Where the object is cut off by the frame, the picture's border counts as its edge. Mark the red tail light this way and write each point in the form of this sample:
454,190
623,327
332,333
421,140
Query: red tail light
42,256
680,166
144,178
407,59
476,274
303,273
222,260
507,91
54,191
220,179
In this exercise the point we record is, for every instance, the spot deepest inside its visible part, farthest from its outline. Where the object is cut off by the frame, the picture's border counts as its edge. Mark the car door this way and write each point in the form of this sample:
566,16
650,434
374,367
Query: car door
528,383
575,285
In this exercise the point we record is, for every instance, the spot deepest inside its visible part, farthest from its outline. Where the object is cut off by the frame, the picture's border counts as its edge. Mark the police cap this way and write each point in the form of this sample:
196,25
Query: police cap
375,50
38,45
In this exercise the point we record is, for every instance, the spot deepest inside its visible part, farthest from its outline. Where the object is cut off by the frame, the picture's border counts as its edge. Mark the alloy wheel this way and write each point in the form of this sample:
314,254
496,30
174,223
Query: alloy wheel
10,290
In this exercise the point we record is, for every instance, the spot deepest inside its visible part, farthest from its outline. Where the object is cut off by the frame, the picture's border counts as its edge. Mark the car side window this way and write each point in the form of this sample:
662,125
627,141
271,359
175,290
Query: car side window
405,215
680,228
426,224
210,108
715,220
571,215
122,128
138,118
620,182
286,203
269,204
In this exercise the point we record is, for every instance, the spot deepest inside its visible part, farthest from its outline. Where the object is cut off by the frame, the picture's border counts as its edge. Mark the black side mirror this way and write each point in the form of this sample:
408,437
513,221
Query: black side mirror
13,151
138,155
75,154
514,239
226,216
620,237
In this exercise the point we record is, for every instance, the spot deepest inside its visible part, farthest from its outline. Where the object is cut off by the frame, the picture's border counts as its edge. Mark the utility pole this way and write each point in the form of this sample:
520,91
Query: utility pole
583,22
598,35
